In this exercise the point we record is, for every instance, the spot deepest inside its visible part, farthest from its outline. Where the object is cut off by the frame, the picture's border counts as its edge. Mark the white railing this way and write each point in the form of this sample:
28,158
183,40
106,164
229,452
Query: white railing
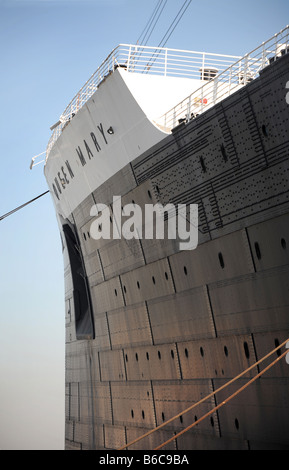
228,81
142,59
229,75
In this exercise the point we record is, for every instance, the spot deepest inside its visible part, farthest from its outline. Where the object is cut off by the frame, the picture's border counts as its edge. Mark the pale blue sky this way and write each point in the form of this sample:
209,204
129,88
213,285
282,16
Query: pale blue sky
48,50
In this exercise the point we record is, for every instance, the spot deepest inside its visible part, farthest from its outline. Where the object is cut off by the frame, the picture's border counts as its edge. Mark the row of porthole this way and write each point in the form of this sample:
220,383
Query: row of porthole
221,261
224,155
258,250
236,422
142,413
138,283
196,419
223,151
226,352
148,356
181,417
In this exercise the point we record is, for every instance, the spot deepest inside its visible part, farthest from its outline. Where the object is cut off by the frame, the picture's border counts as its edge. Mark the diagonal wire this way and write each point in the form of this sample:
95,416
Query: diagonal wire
148,25
224,402
162,44
23,205
165,2
173,25
207,397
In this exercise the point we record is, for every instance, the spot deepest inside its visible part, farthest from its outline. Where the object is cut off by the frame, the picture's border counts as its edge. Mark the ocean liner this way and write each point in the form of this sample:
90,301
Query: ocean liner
154,331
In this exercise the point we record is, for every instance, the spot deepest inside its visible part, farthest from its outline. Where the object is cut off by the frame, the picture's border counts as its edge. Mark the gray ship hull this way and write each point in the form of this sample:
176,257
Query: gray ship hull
162,328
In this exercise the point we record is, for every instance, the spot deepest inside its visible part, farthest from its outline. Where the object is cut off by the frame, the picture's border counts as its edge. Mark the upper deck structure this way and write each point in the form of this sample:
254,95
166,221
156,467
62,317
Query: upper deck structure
205,78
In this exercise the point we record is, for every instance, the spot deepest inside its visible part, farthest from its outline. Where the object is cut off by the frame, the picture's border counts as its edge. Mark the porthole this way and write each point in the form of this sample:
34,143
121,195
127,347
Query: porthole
236,424
148,356
136,357
278,352
186,352
163,416
224,155
181,419
84,236
126,358
132,413
246,349
185,270
202,351
264,130
212,421
166,275
149,194
124,289
143,414
257,250
115,292
226,351
159,355
138,285
283,243
203,164
153,279
221,260
172,354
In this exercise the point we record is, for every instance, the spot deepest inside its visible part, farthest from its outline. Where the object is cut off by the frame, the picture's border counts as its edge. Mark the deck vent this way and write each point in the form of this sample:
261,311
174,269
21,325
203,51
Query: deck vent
208,73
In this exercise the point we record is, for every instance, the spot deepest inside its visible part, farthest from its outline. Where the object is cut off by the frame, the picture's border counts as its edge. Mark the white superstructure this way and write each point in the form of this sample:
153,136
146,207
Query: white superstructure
114,117
122,110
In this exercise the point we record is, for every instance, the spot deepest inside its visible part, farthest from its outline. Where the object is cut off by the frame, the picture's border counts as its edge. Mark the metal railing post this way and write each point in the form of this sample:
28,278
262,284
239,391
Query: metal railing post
215,90
241,70
203,66
230,80
245,68
174,118
189,109
128,59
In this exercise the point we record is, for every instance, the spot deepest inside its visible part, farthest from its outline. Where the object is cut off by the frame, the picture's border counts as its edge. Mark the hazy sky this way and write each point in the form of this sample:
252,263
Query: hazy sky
49,48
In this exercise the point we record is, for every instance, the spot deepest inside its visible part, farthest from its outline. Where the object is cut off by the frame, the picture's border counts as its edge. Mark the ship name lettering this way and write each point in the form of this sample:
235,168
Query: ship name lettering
100,128
97,146
56,188
66,173
80,156
62,178
69,169
88,149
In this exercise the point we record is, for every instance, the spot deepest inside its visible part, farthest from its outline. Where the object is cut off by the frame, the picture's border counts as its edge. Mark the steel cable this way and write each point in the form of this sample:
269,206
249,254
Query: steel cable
23,205
210,396
224,402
